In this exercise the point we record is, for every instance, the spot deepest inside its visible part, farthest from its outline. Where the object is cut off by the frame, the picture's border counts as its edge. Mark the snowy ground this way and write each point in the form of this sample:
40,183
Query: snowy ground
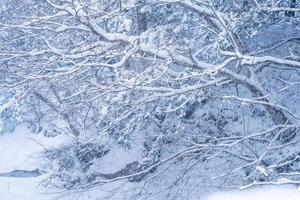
22,189
20,150
263,193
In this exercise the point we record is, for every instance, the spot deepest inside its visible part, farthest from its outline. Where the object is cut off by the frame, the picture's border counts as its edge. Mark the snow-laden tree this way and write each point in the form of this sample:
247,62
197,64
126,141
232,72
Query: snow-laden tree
207,89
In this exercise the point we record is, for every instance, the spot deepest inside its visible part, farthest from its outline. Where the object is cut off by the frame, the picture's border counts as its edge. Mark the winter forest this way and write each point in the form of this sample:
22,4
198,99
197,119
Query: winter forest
149,99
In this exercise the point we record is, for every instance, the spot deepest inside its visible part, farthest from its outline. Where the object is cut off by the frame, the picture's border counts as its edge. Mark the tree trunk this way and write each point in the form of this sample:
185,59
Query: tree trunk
292,5
141,18
65,116
277,115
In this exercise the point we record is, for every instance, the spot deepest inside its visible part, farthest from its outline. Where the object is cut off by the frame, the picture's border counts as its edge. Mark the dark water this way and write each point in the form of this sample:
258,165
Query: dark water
22,173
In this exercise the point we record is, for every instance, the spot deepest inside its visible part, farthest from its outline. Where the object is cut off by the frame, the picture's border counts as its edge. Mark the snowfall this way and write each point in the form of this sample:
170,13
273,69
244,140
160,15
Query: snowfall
21,151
